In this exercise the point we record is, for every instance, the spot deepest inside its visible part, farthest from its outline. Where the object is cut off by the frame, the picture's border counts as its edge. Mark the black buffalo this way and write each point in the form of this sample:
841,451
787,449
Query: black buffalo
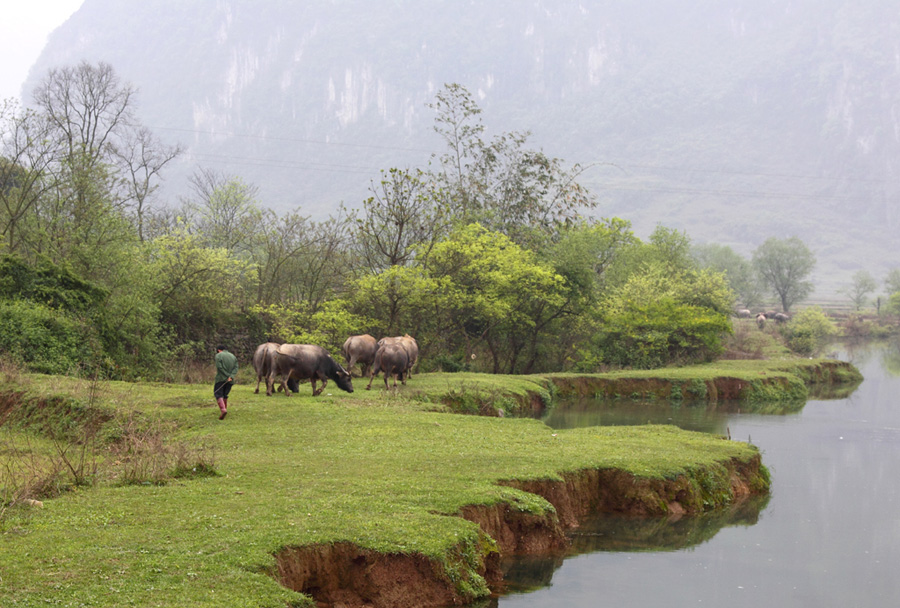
308,362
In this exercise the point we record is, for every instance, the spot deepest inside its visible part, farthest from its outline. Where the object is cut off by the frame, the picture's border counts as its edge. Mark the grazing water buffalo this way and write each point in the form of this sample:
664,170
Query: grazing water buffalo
393,360
761,320
308,362
263,360
264,364
409,344
359,349
781,318
742,313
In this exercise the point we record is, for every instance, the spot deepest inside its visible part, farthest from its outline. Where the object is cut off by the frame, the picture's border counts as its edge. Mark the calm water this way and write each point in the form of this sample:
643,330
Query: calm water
829,535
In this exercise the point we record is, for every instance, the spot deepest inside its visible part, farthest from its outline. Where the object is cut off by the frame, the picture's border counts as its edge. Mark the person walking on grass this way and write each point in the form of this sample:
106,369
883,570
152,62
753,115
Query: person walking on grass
226,370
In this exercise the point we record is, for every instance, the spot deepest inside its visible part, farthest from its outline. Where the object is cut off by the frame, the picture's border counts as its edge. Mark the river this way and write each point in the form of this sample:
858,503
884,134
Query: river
828,536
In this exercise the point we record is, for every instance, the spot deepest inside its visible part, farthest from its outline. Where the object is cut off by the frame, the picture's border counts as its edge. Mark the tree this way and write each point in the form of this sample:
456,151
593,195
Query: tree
739,271
892,281
502,184
26,155
495,294
784,266
399,220
659,317
224,210
862,285
142,160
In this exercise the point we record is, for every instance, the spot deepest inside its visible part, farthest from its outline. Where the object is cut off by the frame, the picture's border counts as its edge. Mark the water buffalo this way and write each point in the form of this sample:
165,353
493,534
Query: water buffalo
409,344
263,360
264,364
359,349
742,313
393,360
761,320
308,362
781,318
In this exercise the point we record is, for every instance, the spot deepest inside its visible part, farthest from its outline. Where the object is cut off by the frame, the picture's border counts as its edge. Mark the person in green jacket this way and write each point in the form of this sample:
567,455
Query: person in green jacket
226,370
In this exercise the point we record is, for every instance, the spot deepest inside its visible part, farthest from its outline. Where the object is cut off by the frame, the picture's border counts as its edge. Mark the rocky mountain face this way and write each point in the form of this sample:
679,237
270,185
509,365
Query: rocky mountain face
734,121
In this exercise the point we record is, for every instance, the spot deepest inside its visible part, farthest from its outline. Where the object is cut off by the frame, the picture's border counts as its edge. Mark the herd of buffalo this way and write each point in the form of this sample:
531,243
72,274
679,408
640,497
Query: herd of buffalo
394,357
778,317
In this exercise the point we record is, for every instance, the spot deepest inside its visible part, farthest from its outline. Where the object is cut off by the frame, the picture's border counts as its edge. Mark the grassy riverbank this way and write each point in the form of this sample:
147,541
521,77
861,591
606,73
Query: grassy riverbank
374,469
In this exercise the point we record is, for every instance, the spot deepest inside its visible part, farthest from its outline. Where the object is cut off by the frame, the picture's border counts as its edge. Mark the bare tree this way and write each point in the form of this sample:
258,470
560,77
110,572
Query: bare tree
399,219
142,158
25,157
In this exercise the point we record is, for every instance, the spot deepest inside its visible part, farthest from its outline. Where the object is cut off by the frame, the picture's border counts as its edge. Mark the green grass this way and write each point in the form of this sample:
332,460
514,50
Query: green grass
373,468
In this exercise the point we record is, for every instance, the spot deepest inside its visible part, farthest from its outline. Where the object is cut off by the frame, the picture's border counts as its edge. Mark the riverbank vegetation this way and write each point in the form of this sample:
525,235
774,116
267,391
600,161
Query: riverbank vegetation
170,502
488,256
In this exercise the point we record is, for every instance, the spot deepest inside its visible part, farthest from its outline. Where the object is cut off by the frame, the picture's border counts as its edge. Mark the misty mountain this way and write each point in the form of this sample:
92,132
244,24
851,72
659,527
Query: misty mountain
734,121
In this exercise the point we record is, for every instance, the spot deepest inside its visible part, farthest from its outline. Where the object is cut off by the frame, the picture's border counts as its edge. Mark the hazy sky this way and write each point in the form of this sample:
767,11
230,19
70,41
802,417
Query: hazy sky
24,27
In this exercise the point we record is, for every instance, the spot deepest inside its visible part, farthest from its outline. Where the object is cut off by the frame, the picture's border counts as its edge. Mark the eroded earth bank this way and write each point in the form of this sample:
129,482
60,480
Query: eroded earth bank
342,574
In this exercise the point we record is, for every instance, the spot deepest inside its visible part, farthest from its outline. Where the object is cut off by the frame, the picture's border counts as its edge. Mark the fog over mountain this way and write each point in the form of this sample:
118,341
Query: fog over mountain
734,121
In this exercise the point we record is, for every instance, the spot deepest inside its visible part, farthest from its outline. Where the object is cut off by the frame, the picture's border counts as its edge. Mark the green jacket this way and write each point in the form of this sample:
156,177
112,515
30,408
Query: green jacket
226,366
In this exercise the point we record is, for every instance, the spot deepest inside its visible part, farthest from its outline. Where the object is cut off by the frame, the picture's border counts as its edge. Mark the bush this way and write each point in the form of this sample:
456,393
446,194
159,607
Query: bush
809,330
661,333
45,340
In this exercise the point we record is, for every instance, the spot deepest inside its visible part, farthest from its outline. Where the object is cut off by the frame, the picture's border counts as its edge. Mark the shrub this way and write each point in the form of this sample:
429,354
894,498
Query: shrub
808,331
45,340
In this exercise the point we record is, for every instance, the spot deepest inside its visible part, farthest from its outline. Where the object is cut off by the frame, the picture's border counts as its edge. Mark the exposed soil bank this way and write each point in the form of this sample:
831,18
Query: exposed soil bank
788,382
343,574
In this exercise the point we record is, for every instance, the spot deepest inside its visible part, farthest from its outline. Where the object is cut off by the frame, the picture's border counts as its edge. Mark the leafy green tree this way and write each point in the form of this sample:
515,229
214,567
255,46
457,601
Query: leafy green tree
784,266
199,289
224,211
494,292
892,281
863,284
739,271
658,318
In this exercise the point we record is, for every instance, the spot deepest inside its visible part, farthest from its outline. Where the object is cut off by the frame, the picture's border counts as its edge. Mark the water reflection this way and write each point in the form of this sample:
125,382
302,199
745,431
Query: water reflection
828,536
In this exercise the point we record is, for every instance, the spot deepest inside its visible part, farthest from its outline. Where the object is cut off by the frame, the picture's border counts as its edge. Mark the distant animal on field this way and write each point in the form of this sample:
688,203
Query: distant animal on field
359,349
393,360
308,362
761,320
743,313
409,344
781,318
770,314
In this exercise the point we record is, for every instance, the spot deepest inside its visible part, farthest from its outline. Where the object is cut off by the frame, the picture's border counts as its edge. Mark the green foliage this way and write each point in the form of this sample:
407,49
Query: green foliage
46,340
784,266
808,331
47,283
742,279
353,483
893,304
863,284
658,318
198,288
892,281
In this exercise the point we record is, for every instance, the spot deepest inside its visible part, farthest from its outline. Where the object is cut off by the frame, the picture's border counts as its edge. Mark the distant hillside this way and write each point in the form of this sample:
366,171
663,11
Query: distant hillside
733,121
